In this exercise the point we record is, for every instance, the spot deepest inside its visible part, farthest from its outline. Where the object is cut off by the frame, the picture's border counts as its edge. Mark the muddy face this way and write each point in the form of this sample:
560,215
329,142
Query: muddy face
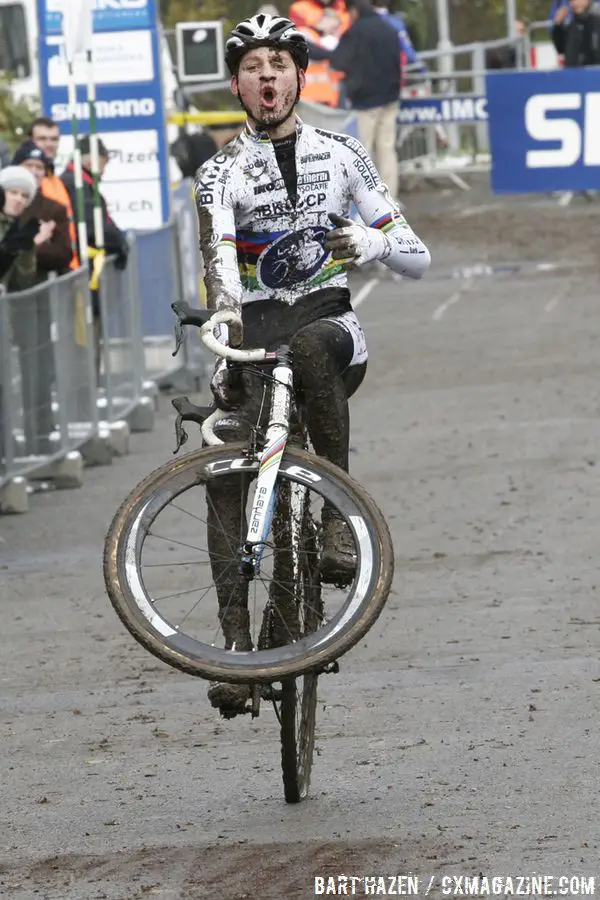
267,85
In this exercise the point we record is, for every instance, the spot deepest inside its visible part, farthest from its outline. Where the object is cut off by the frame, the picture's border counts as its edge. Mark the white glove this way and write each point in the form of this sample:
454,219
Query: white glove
353,243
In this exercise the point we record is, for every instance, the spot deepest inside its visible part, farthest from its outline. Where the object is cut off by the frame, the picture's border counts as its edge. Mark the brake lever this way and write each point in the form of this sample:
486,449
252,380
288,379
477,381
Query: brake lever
180,336
187,412
181,435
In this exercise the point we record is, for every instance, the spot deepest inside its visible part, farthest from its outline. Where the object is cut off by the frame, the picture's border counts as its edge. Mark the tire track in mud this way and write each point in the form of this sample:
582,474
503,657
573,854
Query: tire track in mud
243,872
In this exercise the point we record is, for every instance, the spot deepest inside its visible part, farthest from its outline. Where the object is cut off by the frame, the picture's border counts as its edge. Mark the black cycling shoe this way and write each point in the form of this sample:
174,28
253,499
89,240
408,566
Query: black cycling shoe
229,699
338,556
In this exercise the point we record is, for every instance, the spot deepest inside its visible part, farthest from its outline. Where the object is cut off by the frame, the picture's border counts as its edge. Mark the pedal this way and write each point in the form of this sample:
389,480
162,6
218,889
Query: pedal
188,412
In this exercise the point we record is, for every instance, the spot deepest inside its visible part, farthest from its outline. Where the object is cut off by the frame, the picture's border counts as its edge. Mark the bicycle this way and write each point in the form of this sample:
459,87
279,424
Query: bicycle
297,632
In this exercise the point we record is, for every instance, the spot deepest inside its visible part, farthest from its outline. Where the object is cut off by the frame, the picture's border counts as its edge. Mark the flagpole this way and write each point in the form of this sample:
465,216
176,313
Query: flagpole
82,235
95,165
77,38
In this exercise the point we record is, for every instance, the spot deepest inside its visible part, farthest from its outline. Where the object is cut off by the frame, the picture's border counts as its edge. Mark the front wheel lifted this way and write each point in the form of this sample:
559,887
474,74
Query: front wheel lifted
176,603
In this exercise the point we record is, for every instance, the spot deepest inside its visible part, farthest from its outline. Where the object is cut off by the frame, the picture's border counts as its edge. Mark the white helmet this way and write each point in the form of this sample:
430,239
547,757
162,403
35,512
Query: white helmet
265,31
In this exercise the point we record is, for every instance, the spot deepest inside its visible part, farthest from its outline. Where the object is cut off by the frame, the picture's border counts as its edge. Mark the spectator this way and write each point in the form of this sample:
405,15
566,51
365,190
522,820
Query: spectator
578,40
191,151
46,134
315,19
115,240
53,255
30,318
368,55
560,4
510,55
409,56
17,241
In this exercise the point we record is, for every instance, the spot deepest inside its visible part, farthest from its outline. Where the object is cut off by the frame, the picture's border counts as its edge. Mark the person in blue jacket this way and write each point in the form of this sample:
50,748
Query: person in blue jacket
407,50
559,4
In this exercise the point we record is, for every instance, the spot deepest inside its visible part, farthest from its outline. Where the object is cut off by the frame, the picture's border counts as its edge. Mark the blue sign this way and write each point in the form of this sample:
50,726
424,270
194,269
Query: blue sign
544,130
130,107
418,111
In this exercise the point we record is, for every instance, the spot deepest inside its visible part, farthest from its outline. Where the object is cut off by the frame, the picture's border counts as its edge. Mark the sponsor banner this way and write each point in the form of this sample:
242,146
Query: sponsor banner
131,184
139,203
108,15
442,110
120,57
125,108
544,133
130,107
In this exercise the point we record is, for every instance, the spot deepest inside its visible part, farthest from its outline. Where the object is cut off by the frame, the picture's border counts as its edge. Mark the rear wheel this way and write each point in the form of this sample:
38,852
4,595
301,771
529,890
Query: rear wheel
298,714
299,695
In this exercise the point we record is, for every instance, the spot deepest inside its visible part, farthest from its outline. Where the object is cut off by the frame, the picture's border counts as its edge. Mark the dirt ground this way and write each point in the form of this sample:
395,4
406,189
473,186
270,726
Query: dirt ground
461,736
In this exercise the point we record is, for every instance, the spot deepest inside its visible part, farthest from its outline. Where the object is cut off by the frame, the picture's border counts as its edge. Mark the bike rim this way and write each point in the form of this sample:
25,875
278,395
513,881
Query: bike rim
148,599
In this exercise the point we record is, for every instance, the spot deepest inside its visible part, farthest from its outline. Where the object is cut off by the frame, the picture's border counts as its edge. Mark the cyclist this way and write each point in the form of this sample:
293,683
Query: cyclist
276,239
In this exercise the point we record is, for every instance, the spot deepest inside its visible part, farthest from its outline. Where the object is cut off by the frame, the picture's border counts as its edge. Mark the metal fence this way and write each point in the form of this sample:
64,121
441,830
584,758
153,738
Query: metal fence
79,369
167,265
442,124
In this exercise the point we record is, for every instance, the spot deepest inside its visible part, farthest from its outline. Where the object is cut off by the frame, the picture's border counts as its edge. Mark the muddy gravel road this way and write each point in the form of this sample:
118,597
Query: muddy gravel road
461,737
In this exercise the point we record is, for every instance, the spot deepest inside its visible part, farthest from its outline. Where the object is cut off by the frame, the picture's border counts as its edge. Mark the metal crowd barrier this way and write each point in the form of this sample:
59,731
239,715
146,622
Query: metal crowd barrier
160,267
442,123
78,370
48,411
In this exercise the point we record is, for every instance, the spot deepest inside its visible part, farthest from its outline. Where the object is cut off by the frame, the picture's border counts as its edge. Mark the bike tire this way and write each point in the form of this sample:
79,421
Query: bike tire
298,732
345,629
297,738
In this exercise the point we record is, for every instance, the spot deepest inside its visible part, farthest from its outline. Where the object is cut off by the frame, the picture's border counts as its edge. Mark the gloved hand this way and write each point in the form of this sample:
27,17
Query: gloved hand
17,239
353,243
20,237
227,386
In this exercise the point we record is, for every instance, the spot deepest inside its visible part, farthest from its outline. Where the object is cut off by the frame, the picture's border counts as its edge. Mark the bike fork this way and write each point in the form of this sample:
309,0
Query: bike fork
265,495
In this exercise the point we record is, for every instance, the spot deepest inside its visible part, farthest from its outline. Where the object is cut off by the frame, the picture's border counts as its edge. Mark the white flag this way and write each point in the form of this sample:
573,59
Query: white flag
77,26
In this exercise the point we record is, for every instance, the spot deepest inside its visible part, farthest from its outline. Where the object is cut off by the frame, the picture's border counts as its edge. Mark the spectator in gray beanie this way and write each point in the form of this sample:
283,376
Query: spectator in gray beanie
53,255
17,241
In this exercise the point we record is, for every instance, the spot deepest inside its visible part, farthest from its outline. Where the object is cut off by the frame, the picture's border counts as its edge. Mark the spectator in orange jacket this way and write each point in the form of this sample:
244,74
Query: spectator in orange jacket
46,134
314,19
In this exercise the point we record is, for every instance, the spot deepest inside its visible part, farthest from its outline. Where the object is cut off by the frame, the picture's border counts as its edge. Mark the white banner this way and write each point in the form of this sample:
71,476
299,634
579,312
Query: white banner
120,57
77,26
131,184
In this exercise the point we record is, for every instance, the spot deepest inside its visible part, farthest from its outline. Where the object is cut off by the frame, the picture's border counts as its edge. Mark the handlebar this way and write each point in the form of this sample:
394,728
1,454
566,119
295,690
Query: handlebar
208,321
234,323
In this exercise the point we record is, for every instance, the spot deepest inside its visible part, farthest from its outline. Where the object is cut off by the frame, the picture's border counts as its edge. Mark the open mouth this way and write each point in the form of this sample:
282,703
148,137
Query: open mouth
267,96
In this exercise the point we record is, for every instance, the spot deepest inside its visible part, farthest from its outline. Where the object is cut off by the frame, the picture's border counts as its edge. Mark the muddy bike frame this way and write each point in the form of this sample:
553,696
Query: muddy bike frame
265,495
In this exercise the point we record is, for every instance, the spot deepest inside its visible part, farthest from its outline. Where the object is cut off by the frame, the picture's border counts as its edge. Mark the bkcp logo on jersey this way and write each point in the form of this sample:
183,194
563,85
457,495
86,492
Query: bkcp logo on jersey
109,15
293,258
544,133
